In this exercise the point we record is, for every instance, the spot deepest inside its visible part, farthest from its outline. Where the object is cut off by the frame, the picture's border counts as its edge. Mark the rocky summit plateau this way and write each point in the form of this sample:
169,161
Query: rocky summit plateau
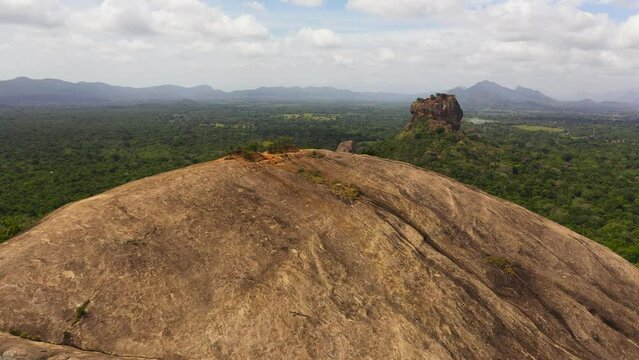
437,111
310,255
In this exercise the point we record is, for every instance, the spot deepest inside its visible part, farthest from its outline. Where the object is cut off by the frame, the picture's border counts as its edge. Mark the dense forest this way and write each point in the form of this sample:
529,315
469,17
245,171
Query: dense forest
50,157
581,171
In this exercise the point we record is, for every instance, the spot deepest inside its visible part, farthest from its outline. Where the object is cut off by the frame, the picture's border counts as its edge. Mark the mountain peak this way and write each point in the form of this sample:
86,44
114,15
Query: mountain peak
487,83
491,95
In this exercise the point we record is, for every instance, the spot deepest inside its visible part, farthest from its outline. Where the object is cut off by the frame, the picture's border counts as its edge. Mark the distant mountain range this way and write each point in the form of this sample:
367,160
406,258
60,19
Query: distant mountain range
485,95
29,92
488,95
630,96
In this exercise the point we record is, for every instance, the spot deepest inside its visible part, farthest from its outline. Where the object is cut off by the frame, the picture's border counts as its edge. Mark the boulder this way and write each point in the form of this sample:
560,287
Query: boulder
346,146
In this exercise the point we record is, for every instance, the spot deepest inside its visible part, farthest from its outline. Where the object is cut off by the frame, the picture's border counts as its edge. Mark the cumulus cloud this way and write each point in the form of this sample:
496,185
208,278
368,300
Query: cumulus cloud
323,38
255,6
521,30
558,24
35,12
258,49
406,8
121,16
629,32
386,55
369,45
342,60
308,3
188,18
135,45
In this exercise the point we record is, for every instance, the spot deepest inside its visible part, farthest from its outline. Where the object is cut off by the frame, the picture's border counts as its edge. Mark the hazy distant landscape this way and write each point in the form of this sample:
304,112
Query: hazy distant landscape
319,179
485,95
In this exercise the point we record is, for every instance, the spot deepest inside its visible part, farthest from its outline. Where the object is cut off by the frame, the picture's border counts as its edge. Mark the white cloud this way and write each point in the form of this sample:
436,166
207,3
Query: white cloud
121,16
517,51
388,45
405,8
323,38
35,12
258,49
255,6
542,20
342,60
308,3
629,32
187,18
135,45
385,55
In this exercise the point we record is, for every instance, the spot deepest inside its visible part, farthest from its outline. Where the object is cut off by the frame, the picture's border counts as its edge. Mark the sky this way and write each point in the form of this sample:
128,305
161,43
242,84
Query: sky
566,48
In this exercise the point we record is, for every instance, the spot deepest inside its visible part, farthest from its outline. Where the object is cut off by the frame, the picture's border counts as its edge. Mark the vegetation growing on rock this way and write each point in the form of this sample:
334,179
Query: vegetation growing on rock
345,191
312,175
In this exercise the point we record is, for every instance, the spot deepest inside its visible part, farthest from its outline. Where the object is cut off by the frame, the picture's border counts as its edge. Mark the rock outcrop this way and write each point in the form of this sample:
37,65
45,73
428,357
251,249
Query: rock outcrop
439,110
16,348
235,259
346,146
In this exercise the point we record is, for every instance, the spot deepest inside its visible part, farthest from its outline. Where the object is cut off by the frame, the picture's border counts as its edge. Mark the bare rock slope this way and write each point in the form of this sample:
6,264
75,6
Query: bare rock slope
311,255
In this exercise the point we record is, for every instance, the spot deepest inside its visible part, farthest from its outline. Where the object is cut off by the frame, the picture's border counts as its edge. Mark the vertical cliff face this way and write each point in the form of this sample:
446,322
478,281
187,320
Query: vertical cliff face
439,110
